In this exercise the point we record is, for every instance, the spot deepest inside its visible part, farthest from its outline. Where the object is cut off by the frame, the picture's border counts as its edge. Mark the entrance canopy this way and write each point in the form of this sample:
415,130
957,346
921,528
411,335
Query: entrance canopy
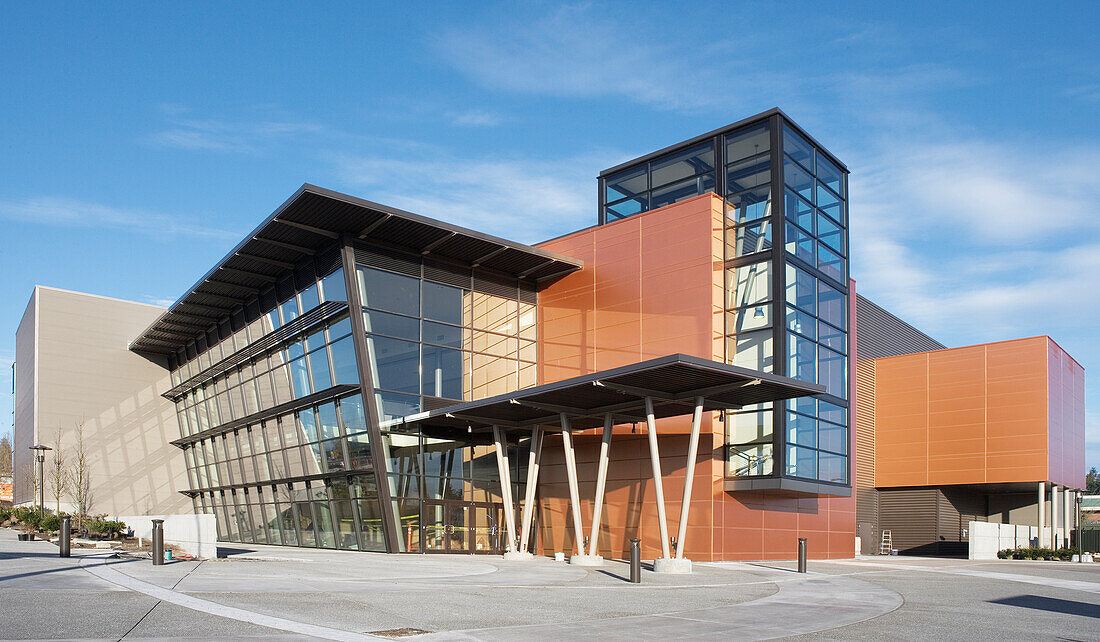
671,384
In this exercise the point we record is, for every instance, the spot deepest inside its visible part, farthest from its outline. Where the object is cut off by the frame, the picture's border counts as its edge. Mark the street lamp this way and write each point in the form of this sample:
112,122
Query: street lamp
40,457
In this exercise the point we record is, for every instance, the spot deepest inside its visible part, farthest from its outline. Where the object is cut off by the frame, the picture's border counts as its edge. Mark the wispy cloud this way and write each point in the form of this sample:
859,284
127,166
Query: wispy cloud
156,300
544,196
242,136
58,211
475,118
575,52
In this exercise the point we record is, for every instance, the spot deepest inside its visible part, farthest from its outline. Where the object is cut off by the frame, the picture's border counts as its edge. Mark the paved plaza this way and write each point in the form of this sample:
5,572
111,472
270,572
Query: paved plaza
287,593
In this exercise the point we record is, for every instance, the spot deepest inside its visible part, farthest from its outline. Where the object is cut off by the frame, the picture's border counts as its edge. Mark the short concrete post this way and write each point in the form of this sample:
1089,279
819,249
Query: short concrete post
64,541
801,554
635,561
158,542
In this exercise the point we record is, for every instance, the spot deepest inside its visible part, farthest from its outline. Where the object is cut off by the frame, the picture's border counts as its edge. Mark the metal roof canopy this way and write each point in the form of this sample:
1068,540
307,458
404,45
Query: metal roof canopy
314,218
672,382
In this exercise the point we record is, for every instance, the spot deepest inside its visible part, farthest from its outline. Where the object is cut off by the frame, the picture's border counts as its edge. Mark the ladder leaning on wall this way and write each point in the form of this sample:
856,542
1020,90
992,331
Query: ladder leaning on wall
887,546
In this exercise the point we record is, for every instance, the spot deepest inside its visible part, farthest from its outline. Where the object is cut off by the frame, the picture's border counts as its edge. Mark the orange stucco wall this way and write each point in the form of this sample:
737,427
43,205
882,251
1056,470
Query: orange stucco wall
980,414
653,285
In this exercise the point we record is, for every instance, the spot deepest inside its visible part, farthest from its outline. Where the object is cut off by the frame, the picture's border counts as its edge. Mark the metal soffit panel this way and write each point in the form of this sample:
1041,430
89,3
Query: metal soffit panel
672,382
310,221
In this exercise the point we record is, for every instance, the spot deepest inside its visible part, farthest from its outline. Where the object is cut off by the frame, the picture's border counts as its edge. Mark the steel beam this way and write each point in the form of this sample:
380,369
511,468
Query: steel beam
309,228
288,246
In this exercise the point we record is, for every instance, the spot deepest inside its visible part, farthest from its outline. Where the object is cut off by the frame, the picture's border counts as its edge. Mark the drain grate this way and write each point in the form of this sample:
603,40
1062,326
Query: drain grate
397,633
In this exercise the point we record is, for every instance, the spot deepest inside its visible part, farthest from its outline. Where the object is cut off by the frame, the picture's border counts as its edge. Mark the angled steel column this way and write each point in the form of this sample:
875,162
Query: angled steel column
658,488
505,488
689,476
571,473
533,460
379,457
601,482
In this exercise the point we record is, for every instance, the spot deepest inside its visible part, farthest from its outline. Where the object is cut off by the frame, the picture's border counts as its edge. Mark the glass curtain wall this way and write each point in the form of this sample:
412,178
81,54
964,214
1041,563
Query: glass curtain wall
659,182
798,326
428,339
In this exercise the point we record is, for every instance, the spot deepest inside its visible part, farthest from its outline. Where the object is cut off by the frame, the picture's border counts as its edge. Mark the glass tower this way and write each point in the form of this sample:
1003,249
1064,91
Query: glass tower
786,275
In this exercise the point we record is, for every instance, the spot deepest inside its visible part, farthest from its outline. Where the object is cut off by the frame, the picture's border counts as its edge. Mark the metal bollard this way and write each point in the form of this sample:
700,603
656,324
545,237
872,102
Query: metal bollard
635,561
801,554
158,542
64,537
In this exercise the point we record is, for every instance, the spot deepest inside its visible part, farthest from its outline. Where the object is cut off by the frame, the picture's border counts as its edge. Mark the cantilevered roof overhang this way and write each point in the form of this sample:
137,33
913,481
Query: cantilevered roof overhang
309,221
672,383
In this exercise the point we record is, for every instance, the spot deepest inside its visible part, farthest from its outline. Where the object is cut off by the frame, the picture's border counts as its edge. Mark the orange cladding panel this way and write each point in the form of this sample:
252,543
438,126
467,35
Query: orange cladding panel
988,413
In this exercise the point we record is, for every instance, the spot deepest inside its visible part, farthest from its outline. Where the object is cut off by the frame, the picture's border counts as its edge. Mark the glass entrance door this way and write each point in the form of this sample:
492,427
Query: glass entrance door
461,527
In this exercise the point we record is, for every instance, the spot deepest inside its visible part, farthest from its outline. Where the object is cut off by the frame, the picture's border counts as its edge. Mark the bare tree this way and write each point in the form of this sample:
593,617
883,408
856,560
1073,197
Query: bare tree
5,457
29,476
80,482
57,475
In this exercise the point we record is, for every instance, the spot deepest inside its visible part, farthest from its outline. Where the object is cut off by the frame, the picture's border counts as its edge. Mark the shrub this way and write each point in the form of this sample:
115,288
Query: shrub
5,513
106,527
50,523
1005,554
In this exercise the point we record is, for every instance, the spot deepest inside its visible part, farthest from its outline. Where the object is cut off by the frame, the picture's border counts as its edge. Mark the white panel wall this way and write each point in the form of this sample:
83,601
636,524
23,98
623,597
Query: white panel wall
195,534
987,538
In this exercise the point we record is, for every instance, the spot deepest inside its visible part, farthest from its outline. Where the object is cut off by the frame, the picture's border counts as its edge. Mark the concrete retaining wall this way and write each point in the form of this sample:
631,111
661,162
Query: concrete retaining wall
986,539
195,534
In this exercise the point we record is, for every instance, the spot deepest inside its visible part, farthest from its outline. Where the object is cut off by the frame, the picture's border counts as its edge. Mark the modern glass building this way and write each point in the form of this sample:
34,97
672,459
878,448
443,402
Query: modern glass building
787,288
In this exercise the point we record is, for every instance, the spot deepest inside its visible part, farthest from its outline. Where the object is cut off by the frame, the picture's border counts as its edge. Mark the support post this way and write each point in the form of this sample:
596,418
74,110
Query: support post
505,489
533,460
1067,510
601,483
1054,516
658,488
1042,511
689,476
571,474
64,538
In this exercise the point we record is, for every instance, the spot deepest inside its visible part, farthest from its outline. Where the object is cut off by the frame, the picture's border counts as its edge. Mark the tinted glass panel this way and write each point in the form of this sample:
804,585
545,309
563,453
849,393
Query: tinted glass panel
833,468
797,148
394,325
318,364
628,207
830,233
307,422
396,364
749,205
343,361
830,263
800,322
682,190
389,291
748,174
394,406
830,305
748,142
310,298
798,210
442,303
800,244
353,414
631,182
830,175
442,372
832,337
447,335
801,289
801,462
681,165
332,287
831,437
798,179
755,237
802,354
831,366
326,419
751,284
299,377
289,310
801,430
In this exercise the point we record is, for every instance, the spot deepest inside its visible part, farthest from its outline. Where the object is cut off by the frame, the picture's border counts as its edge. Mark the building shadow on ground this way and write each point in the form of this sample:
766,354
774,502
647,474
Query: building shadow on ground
1052,604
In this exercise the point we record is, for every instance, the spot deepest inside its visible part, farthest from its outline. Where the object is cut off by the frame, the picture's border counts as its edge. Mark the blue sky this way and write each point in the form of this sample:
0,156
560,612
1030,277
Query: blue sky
140,142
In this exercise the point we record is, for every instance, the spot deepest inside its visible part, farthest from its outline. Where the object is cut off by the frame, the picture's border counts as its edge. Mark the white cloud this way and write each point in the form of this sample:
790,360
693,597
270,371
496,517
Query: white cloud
60,211
155,300
574,52
526,200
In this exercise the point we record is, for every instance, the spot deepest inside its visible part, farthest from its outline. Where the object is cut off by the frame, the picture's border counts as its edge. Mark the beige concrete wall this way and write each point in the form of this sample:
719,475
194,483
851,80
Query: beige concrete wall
86,375
22,465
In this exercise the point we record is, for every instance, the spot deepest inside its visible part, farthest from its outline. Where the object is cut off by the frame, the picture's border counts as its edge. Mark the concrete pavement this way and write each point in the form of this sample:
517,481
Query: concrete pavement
286,593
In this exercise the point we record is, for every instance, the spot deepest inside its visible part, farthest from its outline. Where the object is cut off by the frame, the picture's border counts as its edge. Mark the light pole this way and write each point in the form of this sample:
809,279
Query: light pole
40,457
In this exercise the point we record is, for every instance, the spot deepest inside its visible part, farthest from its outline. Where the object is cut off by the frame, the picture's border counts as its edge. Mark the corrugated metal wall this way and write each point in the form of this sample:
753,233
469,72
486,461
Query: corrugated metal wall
882,334
930,521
